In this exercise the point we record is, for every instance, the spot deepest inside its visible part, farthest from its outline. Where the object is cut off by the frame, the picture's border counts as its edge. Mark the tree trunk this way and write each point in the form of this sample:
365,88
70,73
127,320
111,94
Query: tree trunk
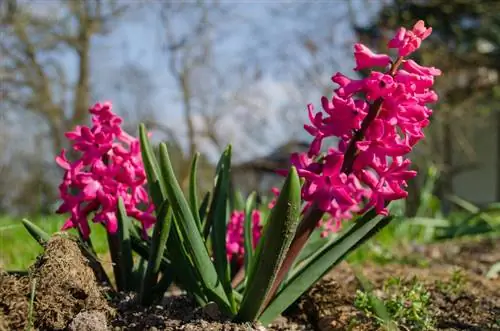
82,95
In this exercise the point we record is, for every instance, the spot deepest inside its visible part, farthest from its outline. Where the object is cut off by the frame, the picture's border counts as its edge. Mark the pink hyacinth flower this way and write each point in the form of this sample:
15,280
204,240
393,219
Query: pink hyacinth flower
109,167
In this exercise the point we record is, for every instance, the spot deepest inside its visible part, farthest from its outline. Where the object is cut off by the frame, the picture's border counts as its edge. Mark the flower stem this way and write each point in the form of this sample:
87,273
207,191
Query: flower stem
352,151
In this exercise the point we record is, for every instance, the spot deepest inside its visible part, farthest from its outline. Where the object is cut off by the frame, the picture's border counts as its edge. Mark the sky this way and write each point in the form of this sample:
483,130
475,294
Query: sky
136,39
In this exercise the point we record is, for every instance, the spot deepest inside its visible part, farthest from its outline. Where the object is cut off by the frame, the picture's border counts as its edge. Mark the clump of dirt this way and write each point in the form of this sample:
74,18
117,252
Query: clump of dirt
14,302
64,286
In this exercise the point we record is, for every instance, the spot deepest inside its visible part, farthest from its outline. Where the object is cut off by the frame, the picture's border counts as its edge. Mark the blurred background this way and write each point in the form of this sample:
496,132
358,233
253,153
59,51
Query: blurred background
202,74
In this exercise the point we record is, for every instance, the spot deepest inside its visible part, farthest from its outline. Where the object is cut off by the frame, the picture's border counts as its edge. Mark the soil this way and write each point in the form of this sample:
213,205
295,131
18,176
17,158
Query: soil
67,296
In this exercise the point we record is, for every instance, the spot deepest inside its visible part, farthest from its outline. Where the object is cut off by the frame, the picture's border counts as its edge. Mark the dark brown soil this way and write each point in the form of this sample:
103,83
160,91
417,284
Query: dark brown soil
176,312
68,297
471,303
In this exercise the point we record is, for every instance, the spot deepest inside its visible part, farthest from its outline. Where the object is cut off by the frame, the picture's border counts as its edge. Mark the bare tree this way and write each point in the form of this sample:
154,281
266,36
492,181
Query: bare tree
45,75
37,38
205,82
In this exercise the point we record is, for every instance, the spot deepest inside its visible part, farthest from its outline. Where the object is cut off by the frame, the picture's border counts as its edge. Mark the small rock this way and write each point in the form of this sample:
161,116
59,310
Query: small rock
89,321
211,310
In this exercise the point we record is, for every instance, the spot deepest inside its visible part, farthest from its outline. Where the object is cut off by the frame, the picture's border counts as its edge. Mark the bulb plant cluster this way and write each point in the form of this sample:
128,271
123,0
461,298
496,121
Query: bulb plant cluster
253,260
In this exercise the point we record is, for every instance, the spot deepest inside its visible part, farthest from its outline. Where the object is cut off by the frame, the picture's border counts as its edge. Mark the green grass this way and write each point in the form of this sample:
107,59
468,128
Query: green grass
18,250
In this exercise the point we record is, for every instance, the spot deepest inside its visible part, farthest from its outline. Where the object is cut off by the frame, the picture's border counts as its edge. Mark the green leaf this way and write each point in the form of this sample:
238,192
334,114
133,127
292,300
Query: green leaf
156,187
124,256
276,238
185,223
203,213
163,284
94,261
314,243
218,217
186,274
237,200
158,244
193,191
139,272
38,234
247,231
142,248
315,268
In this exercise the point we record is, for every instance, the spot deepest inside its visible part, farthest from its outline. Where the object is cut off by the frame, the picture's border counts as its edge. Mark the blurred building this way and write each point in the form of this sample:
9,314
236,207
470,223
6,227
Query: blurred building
480,184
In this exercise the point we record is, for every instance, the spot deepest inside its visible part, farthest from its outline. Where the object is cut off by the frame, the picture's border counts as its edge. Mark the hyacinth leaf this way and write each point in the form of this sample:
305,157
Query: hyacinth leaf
314,244
114,252
237,200
163,284
186,225
152,169
185,268
219,172
157,249
138,273
321,262
276,239
203,213
124,256
38,234
94,262
142,248
247,230
218,216
193,190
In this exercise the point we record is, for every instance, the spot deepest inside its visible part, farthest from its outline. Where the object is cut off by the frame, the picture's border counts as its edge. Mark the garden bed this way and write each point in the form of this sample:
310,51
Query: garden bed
447,290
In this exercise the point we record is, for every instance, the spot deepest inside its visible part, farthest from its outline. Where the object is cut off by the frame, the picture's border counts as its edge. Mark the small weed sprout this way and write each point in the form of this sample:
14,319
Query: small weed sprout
407,303
454,285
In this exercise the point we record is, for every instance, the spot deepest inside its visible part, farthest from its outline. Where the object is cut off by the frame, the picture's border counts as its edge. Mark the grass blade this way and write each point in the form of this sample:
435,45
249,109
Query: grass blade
186,224
276,238
31,305
315,268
